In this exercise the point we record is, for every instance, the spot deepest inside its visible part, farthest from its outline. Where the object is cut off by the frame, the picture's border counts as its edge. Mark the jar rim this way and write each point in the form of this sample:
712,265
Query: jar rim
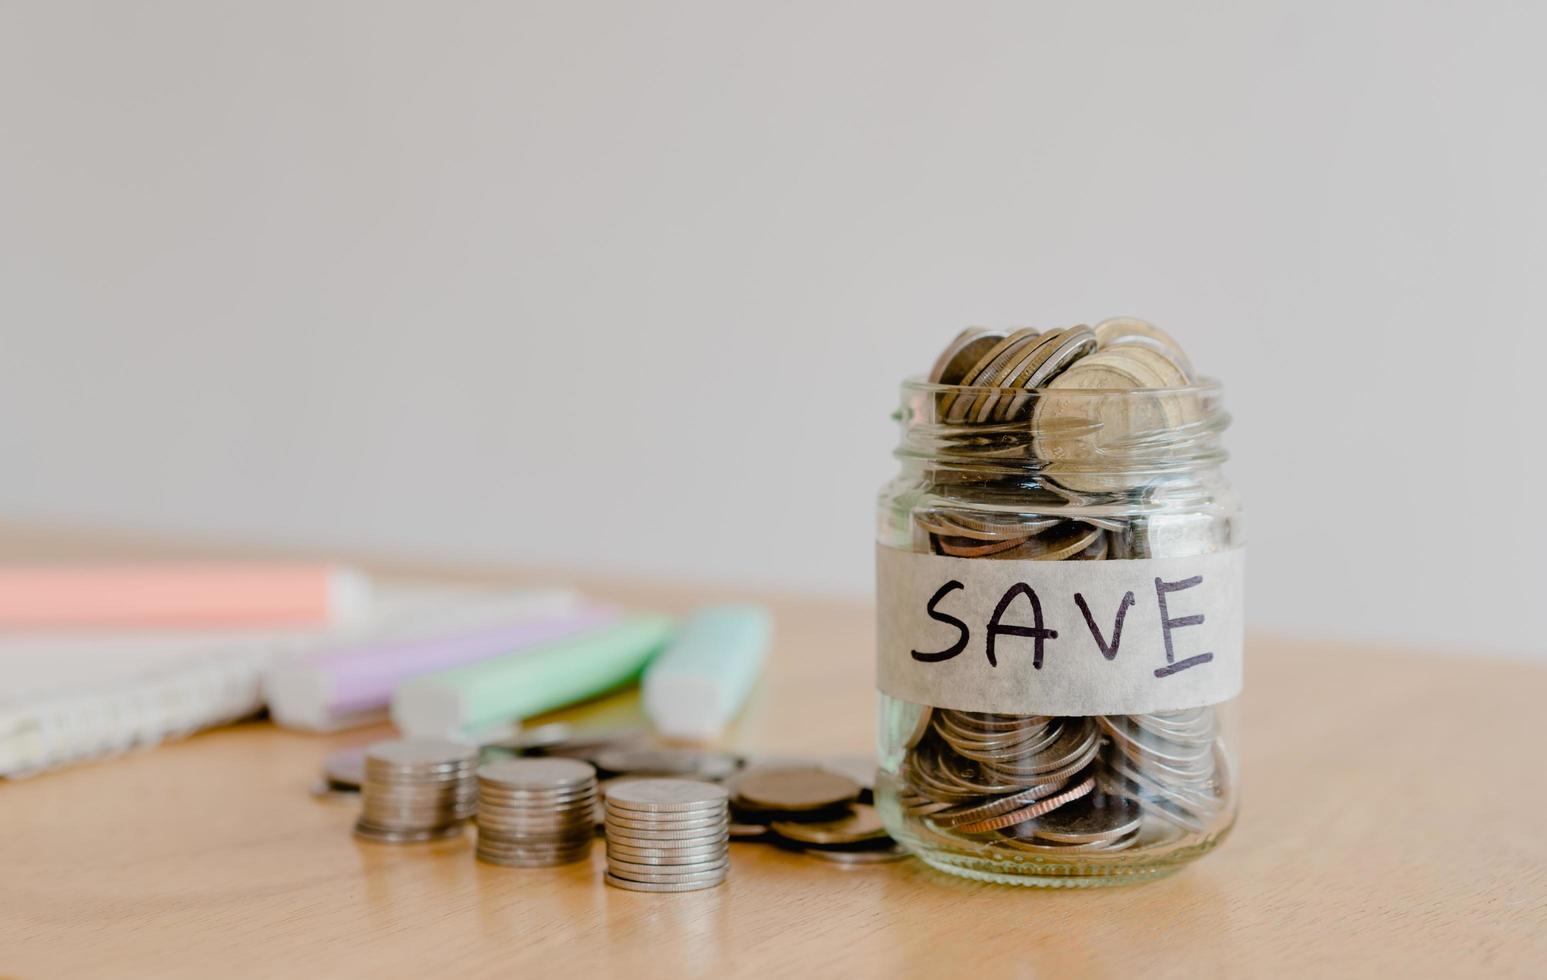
1121,431
1202,386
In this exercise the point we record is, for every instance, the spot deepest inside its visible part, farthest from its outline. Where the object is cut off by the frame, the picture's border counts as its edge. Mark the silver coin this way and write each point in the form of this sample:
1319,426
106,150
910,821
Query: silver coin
642,886
624,822
562,816
666,796
462,788
529,863
425,774
673,842
996,806
1088,822
715,874
385,815
646,871
522,846
409,805
386,835
668,762
646,855
581,800
497,845
536,804
667,833
462,783
542,774
420,789
581,820
1066,540
1132,330
535,838
420,753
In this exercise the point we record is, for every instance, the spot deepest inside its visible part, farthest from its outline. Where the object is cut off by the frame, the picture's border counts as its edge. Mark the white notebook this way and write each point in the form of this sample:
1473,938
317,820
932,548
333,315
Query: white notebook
70,697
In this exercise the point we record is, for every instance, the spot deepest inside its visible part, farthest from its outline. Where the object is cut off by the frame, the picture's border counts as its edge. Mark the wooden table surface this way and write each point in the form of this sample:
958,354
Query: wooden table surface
1394,822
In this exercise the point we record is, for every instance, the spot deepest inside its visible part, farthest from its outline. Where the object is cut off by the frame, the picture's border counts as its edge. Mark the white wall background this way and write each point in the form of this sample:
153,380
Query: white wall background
631,285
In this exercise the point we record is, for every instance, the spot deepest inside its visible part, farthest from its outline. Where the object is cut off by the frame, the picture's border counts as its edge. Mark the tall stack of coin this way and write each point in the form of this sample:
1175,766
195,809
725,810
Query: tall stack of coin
416,789
667,835
1045,463
536,812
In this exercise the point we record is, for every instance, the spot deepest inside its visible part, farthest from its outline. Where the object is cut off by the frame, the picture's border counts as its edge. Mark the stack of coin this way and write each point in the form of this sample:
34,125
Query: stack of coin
535,812
667,835
416,789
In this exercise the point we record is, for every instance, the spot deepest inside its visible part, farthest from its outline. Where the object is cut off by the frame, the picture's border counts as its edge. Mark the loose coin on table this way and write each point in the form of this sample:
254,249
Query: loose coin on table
861,824
791,789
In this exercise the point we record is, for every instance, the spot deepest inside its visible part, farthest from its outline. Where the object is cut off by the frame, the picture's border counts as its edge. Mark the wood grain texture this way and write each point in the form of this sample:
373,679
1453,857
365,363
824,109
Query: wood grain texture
1394,822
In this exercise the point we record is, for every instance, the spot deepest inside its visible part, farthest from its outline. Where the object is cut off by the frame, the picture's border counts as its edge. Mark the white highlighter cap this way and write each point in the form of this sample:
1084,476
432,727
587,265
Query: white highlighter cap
700,682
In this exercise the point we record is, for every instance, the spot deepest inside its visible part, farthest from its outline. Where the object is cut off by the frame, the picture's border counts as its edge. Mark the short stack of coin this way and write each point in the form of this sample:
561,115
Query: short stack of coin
667,835
536,813
416,789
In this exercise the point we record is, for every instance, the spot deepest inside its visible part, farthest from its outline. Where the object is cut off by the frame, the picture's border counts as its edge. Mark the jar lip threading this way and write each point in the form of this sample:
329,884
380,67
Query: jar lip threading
1131,431
1202,386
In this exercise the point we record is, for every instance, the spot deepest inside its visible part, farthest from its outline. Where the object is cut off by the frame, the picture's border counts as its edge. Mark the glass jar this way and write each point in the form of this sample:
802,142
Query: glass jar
1059,632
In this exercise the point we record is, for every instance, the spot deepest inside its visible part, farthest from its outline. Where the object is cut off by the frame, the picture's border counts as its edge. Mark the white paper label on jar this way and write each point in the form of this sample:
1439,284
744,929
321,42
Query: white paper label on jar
1059,637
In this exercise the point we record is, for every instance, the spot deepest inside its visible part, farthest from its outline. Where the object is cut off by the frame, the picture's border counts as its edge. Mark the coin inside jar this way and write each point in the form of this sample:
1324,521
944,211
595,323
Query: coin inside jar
1087,822
1072,444
962,353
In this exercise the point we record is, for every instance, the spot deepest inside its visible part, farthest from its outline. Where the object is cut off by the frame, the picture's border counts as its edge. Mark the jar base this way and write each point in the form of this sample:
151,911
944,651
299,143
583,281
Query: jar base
1103,874
1073,879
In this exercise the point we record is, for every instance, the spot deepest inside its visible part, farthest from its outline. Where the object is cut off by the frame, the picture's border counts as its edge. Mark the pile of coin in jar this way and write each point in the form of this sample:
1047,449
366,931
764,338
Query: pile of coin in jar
1019,483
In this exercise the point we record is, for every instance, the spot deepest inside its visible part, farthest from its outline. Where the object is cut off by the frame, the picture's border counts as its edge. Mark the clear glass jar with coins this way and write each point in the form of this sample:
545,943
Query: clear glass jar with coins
1059,582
